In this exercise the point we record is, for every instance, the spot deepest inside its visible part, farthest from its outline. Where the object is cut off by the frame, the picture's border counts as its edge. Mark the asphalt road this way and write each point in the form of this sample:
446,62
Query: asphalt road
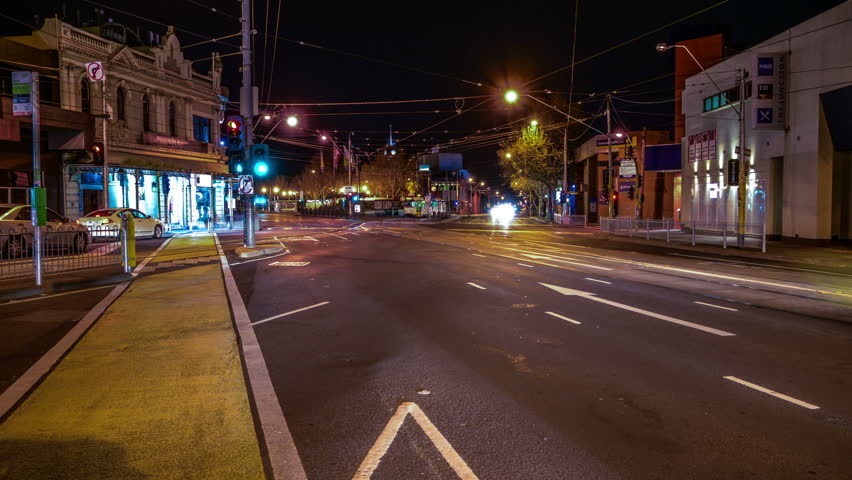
471,351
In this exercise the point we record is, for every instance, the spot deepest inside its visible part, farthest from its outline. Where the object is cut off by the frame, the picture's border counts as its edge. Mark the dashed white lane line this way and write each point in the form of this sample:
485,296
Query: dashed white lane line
575,322
475,285
290,313
338,236
775,394
599,281
478,255
716,306
525,265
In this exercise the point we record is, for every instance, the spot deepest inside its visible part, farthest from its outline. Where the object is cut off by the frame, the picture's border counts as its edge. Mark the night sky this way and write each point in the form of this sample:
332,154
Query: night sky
380,51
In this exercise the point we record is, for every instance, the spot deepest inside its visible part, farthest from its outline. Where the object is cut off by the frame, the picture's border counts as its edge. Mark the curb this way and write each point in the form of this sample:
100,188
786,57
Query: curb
66,286
21,293
246,252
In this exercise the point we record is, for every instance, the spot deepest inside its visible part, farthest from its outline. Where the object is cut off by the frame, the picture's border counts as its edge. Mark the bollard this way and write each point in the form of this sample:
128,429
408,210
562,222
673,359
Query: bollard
693,232
647,229
668,229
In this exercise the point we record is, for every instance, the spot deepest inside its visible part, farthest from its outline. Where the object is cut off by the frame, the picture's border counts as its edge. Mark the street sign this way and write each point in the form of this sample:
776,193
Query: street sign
349,189
95,71
424,168
747,151
246,185
627,169
22,93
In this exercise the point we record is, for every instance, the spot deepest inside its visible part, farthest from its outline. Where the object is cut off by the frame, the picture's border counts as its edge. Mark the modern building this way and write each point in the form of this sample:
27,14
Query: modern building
162,122
797,135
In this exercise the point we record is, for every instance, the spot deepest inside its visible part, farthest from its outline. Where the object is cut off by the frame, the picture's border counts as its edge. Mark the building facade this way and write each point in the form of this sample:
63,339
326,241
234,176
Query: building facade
162,122
797,136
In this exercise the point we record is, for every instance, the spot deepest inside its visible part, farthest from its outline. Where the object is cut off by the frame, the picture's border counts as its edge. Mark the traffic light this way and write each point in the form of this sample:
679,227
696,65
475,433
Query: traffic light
236,162
97,150
630,151
733,172
260,159
631,192
234,134
614,196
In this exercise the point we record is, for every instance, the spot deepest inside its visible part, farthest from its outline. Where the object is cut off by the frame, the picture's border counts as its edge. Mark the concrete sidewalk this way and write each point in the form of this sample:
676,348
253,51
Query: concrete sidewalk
154,389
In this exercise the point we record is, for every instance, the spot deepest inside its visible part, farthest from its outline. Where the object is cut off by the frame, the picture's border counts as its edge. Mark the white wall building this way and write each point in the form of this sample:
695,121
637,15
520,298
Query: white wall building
797,129
163,126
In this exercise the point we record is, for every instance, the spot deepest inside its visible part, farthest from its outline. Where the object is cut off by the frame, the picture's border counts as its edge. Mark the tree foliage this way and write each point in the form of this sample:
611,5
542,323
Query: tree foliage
532,161
390,176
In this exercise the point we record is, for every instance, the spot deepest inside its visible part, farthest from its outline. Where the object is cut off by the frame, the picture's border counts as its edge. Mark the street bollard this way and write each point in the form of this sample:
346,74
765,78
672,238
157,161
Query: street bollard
763,234
693,232
647,229
668,229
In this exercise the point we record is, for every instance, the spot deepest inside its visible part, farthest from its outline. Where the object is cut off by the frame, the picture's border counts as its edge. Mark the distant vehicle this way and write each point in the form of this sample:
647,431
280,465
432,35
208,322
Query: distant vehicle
16,232
145,224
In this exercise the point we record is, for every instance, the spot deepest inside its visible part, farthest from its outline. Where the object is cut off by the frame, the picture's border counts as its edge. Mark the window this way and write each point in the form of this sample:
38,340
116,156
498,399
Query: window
54,217
172,120
201,129
146,113
85,96
729,96
119,103
138,214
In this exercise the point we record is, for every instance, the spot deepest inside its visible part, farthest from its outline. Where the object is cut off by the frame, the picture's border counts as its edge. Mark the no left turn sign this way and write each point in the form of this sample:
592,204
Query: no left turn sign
95,70
246,186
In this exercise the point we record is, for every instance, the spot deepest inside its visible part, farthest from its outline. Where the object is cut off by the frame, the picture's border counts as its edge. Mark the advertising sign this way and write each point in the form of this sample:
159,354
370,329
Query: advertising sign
769,94
22,95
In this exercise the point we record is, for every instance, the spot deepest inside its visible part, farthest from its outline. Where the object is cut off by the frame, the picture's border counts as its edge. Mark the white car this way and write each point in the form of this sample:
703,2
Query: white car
101,222
16,232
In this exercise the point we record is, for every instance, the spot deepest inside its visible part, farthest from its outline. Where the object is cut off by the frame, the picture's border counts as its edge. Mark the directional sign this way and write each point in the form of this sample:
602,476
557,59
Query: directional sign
95,71
374,456
246,185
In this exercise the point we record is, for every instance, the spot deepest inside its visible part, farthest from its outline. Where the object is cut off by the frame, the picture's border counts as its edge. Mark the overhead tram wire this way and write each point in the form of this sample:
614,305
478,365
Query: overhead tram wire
263,63
615,47
274,52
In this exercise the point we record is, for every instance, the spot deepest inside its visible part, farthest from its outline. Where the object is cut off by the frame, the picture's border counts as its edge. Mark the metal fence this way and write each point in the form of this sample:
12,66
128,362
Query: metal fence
668,230
61,251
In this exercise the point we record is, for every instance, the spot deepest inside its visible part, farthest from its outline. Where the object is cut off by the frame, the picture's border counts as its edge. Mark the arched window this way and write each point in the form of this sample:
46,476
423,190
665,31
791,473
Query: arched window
119,103
172,120
146,113
85,96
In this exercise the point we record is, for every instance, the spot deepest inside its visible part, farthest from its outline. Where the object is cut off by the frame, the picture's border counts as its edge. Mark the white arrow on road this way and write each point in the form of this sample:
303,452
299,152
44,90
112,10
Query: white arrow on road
594,298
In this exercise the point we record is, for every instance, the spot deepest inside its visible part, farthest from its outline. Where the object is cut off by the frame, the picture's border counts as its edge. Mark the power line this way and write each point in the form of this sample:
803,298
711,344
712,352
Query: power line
615,47
381,102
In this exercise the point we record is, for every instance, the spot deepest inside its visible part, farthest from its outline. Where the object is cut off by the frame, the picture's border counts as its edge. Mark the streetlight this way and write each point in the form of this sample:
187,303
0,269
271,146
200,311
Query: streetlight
741,177
534,123
292,120
511,96
267,117
275,190
508,155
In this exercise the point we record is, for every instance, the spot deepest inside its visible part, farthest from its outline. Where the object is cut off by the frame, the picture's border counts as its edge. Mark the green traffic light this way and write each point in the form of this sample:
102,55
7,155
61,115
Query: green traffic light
261,168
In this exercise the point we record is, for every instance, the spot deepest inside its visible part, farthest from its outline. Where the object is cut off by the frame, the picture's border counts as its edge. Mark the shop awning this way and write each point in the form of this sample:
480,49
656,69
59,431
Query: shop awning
663,158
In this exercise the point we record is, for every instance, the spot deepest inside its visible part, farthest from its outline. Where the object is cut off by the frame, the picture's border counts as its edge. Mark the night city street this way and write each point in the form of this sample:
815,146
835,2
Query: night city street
267,240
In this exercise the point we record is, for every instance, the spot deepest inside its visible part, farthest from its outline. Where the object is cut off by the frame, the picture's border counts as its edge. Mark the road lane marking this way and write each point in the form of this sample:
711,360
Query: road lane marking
599,281
144,263
717,306
800,403
280,449
592,297
389,433
563,318
525,265
289,264
760,264
45,297
478,255
290,313
475,285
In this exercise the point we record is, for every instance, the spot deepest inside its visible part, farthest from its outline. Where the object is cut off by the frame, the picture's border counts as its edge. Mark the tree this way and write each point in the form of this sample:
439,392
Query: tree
390,176
532,161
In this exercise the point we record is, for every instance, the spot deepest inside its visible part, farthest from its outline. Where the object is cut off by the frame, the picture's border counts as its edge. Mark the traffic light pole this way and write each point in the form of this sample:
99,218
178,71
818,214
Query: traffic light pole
248,199
610,181
741,178
105,133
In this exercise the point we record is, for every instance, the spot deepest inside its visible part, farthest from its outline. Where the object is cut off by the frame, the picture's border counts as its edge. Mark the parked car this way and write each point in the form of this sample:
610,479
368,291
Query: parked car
99,219
16,232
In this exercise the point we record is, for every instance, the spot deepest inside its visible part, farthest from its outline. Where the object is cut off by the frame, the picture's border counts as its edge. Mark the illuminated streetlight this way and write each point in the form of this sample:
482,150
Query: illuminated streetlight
263,190
292,121
267,117
482,183
619,135
534,123
324,138
313,171
276,189
508,155
511,96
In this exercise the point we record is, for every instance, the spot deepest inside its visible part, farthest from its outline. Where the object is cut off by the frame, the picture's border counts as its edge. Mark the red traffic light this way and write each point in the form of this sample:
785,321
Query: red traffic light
234,126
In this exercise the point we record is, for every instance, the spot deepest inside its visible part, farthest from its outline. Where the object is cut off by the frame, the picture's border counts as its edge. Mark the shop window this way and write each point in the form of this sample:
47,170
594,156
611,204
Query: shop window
201,129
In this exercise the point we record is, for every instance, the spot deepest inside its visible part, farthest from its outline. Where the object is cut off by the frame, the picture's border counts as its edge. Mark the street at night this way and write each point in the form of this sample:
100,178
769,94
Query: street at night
580,240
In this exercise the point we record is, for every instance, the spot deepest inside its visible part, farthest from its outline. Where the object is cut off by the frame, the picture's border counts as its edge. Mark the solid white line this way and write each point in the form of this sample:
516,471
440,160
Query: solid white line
261,259
138,269
356,234
717,306
563,318
290,312
338,236
759,264
475,285
16,391
599,281
772,392
280,448
478,255
45,297
312,238
525,265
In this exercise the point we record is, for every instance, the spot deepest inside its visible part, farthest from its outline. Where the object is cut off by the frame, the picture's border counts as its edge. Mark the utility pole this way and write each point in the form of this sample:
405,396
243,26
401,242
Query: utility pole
565,170
741,177
37,240
247,107
105,134
610,183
